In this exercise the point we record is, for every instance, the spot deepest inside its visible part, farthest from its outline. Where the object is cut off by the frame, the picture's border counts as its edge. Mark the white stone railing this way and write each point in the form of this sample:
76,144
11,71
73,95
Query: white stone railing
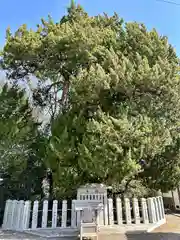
23,215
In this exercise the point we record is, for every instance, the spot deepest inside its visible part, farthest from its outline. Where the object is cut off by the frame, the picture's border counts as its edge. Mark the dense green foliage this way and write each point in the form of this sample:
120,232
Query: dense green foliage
119,103
21,147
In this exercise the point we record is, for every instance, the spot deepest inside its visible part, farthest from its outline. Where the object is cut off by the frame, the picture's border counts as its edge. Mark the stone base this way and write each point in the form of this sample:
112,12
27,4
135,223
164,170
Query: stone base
54,233
156,225
103,230
128,228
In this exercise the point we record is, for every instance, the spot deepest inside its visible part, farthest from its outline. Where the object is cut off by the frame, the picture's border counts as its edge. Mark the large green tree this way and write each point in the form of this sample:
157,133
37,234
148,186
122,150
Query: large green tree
119,98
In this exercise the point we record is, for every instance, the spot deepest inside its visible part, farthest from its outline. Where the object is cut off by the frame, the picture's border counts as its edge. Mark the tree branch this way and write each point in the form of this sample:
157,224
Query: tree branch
52,85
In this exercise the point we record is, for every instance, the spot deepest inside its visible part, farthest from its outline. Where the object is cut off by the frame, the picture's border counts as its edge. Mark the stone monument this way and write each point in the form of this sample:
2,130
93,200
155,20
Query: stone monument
93,192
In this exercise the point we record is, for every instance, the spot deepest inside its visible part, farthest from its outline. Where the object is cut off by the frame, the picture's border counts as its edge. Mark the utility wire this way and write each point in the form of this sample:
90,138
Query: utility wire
170,2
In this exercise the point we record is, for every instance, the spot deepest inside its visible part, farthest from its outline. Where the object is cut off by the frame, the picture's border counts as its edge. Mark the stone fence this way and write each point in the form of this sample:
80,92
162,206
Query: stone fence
26,215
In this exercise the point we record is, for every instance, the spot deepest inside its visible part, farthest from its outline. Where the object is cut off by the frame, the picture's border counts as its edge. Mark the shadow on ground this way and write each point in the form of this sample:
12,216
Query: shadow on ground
152,236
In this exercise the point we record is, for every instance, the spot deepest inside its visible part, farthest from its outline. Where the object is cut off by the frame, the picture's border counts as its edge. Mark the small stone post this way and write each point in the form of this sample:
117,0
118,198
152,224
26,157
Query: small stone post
6,213
127,210
64,213
35,215
151,210
45,214
119,211
54,213
26,214
110,210
136,211
73,215
144,211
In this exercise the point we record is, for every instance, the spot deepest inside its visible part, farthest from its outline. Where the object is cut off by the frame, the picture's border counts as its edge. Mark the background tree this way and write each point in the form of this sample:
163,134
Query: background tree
118,102
22,147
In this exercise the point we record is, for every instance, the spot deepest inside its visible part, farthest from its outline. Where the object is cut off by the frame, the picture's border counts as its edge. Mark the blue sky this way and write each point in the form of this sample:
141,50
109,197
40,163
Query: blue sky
164,17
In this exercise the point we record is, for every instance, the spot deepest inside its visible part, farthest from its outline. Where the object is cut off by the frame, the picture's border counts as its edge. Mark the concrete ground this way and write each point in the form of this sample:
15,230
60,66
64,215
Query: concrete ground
168,231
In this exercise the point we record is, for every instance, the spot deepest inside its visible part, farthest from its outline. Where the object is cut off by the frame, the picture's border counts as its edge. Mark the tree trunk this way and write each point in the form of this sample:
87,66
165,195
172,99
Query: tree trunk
64,97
